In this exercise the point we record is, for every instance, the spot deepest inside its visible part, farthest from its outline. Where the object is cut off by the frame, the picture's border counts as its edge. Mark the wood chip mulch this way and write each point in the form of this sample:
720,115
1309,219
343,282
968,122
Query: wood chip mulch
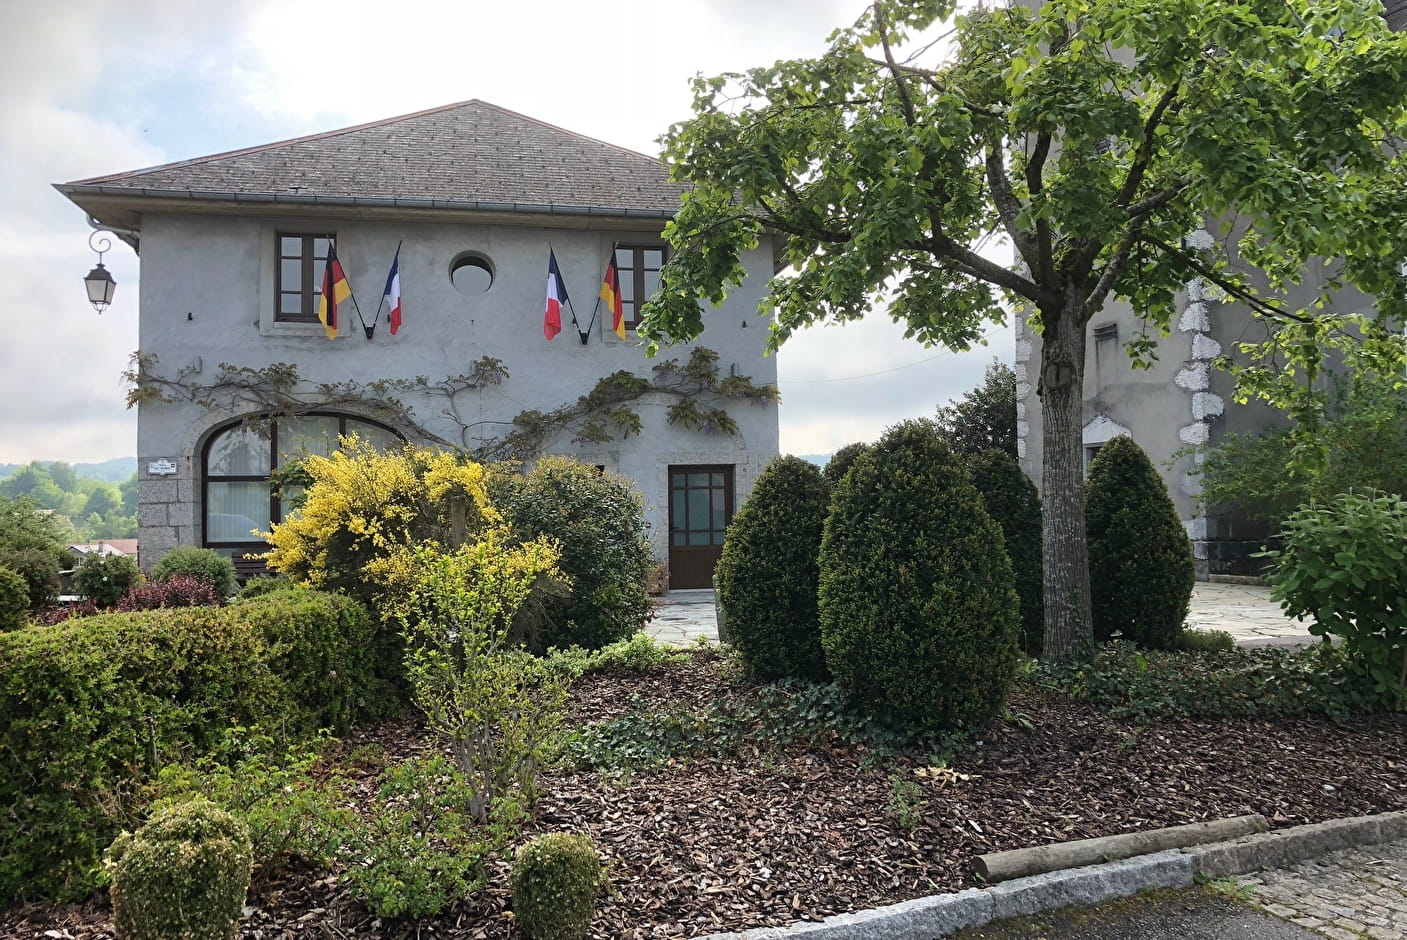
705,845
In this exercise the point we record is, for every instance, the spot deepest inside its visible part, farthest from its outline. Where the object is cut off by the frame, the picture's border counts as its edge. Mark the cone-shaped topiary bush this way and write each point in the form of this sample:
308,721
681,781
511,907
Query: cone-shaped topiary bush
1013,503
918,616
555,881
1141,569
842,460
206,564
768,572
184,874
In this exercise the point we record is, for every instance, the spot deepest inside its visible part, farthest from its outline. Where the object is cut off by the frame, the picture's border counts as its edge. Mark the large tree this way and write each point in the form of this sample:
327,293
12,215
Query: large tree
1094,136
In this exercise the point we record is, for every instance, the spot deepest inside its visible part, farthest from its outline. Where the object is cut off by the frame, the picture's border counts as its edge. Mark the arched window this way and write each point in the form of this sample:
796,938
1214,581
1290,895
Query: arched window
237,462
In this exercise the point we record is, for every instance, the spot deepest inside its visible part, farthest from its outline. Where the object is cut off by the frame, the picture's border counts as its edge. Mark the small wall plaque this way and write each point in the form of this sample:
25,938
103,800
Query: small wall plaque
161,468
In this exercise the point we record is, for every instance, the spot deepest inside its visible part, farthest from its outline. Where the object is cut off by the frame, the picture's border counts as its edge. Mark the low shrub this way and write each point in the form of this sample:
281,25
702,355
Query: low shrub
291,816
94,707
1154,684
1344,566
14,600
104,579
555,880
265,584
919,621
597,520
183,874
176,591
420,850
204,564
768,572
58,613
1141,569
639,655
1206,641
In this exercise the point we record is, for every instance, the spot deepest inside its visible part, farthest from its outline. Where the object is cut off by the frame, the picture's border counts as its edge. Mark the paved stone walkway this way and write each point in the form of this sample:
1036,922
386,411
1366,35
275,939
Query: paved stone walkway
1243,610
1349,895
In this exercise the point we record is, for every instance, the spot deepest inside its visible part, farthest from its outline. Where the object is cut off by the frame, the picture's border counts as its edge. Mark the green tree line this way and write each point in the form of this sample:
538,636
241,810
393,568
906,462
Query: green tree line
96,509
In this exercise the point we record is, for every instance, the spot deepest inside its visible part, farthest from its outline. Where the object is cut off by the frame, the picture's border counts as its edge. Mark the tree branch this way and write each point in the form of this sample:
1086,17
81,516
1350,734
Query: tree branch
972,263
905,101
1009,207
1233,289
1144,155
1035,186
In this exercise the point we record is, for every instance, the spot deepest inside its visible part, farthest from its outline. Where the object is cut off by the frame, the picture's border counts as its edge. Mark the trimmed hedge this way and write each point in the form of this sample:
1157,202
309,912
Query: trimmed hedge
768,572
14,600
94,706
918,617
1013,503
842,460
204,564
1141,569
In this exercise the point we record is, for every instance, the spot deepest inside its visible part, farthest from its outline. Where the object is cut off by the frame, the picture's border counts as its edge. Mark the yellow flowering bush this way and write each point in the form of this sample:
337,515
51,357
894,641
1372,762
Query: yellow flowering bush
363,506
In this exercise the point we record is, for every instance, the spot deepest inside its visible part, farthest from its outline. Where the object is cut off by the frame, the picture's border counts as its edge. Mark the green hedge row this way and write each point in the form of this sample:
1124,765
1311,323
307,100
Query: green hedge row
93,707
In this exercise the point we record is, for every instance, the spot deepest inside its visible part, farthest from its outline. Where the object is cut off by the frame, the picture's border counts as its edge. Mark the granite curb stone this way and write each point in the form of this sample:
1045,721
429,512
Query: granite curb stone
943,914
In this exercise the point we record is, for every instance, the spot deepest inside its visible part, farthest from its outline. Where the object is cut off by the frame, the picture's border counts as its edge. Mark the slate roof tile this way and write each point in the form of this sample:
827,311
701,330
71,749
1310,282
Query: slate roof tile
472,151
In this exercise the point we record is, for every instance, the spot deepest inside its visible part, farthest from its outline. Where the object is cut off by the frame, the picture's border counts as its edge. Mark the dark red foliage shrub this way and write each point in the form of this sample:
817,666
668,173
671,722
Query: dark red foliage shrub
61,612
176,591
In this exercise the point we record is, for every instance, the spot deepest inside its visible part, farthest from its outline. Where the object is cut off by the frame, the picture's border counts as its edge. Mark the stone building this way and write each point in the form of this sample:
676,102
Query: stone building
233,248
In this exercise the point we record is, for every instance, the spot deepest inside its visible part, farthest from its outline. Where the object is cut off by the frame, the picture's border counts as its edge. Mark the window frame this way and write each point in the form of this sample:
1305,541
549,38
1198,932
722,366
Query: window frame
637,270
309,290
275,503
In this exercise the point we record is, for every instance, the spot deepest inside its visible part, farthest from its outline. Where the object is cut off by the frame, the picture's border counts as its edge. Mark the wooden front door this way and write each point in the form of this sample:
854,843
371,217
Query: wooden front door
700,508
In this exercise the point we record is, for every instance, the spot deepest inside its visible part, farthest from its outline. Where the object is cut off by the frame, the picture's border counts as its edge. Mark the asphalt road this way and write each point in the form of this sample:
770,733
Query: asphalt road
1198,914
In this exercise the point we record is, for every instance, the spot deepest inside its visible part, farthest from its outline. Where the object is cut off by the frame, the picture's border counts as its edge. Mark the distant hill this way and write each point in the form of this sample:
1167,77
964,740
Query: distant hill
116,470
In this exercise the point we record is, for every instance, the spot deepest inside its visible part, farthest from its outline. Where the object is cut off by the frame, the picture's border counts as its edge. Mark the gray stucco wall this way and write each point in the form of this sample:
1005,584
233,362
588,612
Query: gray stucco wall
207,298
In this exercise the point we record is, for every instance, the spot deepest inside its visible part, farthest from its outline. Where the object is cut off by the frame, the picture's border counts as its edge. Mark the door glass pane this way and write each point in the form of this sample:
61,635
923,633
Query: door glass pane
299,437
719,521
677,503
234,510
677,538
717,537
699,514
698,538
239,452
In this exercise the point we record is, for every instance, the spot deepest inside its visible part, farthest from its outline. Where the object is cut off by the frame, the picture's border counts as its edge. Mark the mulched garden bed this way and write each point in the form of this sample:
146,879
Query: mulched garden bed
703,845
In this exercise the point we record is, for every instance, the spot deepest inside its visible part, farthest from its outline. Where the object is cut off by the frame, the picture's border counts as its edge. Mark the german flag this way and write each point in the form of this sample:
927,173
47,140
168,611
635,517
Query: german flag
335,289
610,293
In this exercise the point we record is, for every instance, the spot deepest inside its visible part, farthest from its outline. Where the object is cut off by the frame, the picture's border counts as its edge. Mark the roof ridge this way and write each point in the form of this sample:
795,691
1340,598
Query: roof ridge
320,135
566,130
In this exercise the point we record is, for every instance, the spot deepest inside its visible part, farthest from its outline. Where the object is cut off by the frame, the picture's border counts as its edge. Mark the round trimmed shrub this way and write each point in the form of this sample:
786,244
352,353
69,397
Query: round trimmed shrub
919,620
768,572
184,874
14,600
104,579
555,881
598,520
842,460
1141,569
1014,504
204,564
39,569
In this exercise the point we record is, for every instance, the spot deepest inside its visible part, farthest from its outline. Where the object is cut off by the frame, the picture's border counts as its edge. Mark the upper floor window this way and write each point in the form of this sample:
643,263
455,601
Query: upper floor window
238,462
298,276
639,270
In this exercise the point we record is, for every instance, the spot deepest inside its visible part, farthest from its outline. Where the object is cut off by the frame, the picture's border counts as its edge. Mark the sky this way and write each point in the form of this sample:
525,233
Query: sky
90,87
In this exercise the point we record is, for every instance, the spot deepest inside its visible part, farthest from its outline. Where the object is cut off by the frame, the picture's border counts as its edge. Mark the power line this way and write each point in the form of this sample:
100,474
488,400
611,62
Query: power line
851,378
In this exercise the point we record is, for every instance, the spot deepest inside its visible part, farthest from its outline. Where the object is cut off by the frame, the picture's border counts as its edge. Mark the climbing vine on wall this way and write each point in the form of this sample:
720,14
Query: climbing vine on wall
697,392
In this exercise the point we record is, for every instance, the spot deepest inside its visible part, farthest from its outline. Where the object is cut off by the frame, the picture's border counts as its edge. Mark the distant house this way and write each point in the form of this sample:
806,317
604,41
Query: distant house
233,248
105,547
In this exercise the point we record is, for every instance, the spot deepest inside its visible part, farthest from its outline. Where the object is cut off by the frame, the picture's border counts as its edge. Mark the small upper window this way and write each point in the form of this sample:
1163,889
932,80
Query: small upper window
298,276
639,270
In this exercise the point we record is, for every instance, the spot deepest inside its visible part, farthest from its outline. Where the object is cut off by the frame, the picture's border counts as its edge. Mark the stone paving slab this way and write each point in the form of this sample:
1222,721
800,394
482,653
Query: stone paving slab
1243,610
1351,894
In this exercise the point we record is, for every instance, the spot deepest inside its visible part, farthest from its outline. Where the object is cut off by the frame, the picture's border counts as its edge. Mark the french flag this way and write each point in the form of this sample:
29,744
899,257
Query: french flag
393,291
556,296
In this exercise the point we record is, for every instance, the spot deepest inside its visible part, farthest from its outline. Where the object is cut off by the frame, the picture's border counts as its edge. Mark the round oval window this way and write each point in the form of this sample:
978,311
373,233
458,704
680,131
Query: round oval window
471,273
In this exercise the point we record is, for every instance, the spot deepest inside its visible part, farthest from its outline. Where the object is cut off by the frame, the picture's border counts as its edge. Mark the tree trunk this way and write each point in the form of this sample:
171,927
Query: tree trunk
1068,631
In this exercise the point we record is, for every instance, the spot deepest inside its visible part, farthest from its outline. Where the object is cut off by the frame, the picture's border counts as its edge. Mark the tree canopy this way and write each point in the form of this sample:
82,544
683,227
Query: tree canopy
985,417
1096,137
